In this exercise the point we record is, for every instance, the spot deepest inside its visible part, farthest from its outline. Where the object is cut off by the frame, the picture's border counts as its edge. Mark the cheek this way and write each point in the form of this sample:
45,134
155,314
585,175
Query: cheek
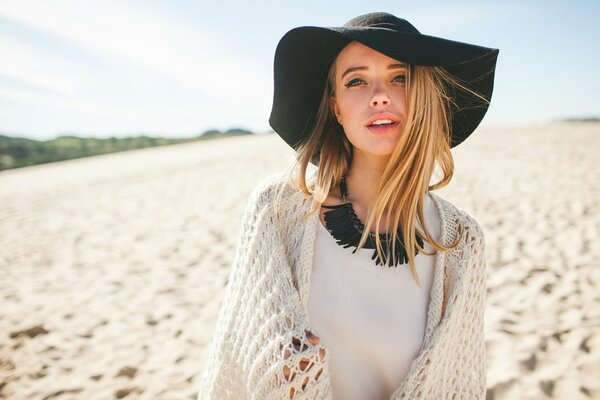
349,104
402,102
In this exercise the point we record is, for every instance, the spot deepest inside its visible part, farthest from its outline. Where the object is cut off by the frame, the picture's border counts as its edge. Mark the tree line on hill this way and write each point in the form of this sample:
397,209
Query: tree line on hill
17,152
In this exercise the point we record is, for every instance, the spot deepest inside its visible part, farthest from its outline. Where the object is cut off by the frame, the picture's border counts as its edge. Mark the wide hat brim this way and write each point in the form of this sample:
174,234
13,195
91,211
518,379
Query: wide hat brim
304,55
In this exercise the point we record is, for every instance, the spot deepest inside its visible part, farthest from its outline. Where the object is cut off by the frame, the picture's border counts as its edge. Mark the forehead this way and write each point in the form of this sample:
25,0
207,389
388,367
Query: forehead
356,53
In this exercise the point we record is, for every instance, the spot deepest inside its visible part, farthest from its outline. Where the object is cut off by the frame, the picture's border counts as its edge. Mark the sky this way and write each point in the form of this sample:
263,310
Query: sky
178,68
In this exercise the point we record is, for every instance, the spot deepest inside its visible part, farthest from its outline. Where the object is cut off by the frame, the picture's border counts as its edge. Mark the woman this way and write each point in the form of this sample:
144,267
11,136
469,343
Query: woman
324,300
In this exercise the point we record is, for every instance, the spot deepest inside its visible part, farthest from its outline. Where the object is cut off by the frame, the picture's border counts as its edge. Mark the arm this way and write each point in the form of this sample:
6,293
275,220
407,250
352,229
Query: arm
476,368
221,375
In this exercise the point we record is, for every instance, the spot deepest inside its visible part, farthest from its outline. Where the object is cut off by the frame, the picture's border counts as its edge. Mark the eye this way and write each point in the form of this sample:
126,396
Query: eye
400,78
354,82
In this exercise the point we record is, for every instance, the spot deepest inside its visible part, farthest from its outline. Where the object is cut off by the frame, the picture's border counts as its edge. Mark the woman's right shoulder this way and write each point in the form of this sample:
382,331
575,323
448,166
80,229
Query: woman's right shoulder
266,189
280,186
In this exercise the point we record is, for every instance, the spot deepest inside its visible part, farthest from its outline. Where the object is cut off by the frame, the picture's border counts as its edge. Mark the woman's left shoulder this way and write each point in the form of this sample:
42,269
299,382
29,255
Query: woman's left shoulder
455,217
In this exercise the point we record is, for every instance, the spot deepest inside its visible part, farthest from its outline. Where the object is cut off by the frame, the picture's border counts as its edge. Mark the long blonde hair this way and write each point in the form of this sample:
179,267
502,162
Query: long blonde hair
405,180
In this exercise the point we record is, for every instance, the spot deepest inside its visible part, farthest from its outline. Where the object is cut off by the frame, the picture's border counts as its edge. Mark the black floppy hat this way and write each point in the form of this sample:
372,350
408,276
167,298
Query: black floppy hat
304,55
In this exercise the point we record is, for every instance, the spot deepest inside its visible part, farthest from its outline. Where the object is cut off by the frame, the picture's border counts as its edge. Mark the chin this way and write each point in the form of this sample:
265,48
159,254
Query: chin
378,152
383,149
380,147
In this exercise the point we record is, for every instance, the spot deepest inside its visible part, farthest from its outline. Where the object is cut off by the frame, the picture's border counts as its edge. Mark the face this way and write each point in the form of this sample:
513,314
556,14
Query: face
370,99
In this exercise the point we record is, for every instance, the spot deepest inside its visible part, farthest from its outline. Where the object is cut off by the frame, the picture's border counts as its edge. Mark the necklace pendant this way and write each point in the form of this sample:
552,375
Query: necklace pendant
345,226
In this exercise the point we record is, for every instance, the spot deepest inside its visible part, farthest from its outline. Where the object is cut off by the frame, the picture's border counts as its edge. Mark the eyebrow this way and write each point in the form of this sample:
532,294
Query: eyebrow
363,68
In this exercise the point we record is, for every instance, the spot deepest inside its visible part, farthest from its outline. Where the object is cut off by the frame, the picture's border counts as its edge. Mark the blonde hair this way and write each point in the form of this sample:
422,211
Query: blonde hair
405,180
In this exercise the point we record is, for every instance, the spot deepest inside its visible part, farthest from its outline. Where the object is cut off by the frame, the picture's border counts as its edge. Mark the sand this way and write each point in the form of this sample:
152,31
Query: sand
113,267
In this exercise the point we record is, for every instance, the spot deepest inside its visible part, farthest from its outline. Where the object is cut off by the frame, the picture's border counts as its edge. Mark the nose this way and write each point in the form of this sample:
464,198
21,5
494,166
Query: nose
380,97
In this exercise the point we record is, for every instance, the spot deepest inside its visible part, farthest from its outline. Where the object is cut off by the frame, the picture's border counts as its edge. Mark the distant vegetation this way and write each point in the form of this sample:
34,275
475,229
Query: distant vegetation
582,119
18,152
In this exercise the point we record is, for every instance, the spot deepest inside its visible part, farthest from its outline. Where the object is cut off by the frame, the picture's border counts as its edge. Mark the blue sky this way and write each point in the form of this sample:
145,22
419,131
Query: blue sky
177,68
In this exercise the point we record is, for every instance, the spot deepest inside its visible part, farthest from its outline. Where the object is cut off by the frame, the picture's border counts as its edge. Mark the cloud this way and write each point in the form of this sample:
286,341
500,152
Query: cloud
38,68
53,102
184,54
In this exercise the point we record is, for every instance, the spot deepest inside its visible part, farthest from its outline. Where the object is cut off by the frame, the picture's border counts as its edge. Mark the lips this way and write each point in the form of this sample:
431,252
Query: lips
382,119
383,122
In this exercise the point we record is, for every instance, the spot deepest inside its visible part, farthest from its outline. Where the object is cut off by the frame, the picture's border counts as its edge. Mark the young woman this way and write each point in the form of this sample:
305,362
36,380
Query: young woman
356,281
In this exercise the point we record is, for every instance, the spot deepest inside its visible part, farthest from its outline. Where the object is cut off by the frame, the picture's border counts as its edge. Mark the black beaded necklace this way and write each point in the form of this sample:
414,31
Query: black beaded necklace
346,228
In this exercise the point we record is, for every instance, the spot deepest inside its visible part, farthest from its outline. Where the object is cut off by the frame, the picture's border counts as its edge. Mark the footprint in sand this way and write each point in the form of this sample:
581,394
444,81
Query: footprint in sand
530,363
584,345
30,332
547,387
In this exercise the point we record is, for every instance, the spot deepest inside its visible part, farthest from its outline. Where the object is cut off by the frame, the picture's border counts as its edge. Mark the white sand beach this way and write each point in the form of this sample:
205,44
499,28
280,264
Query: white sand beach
112,268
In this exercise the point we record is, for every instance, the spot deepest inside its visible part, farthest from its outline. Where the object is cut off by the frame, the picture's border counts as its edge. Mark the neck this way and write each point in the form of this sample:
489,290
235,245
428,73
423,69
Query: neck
363,178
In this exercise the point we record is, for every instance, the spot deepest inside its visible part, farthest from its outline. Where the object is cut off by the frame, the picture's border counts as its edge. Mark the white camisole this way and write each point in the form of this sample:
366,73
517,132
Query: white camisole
371,318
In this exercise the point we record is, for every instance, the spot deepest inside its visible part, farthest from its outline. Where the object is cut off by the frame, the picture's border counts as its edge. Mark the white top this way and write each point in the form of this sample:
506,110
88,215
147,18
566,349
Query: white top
371,318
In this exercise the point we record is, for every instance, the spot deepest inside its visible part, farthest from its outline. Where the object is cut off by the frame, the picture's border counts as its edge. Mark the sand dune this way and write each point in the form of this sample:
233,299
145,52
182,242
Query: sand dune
113,267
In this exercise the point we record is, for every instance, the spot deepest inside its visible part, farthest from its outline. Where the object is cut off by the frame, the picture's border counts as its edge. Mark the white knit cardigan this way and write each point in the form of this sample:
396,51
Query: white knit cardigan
264,311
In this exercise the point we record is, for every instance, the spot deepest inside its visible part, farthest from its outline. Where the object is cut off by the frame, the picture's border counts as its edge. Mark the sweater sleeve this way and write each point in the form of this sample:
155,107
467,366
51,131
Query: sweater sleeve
475,375
261,339
482,276
221,379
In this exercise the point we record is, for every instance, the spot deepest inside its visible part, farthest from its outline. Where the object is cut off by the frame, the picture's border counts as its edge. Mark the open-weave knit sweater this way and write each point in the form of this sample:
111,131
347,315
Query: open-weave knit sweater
263,321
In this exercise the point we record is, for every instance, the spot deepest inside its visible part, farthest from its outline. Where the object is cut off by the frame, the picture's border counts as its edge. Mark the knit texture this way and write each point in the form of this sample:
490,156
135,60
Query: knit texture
263,321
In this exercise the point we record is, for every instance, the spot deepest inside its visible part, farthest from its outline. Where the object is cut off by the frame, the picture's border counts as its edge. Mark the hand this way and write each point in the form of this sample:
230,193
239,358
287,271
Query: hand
304,361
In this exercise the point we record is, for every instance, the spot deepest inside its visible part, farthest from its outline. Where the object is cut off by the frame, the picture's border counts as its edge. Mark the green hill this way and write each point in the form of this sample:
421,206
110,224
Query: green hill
17,152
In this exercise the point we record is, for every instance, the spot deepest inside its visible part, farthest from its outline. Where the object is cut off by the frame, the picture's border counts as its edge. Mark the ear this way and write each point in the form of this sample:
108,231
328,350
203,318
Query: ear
335,109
